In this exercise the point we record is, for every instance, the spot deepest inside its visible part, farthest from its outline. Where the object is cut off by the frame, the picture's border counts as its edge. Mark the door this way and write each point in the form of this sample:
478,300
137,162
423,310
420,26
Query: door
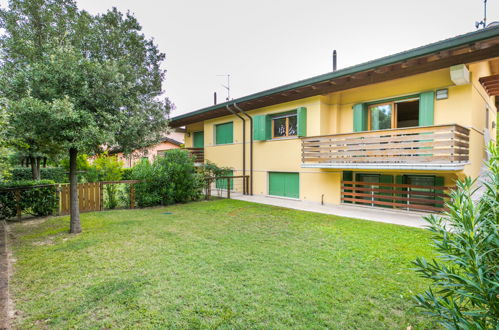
284,184
199,139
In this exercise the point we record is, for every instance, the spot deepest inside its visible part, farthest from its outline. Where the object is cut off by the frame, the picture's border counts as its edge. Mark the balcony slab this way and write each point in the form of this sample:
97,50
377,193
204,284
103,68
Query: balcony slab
388,166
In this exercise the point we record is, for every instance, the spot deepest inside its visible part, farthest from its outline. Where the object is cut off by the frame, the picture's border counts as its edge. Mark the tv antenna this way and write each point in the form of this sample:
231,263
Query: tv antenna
484,22
227,87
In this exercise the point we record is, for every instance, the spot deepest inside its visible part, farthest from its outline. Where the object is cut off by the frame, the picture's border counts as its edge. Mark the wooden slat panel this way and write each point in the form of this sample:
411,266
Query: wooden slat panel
413,144
445,144
389,191
398,198
399,205
395,185
361,139
395,131
400,159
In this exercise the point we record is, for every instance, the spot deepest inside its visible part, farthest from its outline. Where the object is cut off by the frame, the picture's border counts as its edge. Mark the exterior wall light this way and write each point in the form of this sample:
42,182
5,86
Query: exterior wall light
442,94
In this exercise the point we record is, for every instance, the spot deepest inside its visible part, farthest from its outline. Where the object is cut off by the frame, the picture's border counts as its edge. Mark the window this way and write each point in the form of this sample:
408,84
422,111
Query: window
224,133
397,114
284,125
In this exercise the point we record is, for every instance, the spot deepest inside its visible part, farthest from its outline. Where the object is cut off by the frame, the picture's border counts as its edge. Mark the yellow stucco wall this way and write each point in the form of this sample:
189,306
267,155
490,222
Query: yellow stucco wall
331,114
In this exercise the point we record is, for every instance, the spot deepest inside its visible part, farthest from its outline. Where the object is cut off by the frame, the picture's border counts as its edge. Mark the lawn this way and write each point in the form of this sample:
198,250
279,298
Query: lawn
225,263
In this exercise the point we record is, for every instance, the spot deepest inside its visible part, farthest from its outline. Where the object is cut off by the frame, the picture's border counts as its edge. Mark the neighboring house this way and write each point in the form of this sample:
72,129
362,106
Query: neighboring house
174,140
394,132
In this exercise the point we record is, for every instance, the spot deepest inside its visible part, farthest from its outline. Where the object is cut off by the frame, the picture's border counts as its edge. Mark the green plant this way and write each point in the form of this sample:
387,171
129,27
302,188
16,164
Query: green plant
171,178
211,170
107,168
39,201
465,290
127,174
57,174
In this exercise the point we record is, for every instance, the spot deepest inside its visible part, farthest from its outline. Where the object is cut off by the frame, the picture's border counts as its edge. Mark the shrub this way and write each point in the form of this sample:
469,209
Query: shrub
171,178
127,174
40,201
56,174
465,291
106,168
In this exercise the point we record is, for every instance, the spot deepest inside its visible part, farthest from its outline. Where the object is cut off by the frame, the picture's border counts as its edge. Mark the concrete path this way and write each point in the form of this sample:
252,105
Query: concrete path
400,217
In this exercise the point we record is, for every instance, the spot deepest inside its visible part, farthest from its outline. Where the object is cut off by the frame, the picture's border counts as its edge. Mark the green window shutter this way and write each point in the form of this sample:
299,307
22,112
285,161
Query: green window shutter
360,117
426,108
224,133
302,121
259,123
262,128
198,139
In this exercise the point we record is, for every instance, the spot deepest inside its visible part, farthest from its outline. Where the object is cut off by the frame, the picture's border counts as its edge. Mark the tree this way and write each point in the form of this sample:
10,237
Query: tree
32,28
465,287
97,83
4,152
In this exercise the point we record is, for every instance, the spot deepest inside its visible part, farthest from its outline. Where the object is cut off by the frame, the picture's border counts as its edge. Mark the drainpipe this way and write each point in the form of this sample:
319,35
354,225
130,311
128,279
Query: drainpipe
251,146
244,145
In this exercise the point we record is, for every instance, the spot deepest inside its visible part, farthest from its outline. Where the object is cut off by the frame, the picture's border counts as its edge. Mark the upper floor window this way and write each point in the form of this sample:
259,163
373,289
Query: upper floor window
224,133
285,125
396,114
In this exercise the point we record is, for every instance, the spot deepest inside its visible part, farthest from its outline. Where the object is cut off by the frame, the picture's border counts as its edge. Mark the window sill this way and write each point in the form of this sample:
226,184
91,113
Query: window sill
283,138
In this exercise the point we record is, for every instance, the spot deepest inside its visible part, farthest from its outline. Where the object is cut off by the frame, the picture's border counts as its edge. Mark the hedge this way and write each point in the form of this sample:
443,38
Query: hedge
57,174
39,201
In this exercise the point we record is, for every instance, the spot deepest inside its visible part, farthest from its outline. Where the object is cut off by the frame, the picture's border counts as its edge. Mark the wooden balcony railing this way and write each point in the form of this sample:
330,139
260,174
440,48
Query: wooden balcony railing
443,144
198,154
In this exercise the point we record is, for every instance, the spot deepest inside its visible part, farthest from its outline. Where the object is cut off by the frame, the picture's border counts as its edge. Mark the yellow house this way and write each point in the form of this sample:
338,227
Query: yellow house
395,132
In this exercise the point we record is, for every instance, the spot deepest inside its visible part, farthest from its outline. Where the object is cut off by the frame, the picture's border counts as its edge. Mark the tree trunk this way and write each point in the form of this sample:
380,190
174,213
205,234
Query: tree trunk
35,167
44,162
74,223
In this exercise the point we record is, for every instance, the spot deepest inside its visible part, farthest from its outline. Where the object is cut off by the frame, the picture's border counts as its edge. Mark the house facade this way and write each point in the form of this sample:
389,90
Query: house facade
396,132
174,140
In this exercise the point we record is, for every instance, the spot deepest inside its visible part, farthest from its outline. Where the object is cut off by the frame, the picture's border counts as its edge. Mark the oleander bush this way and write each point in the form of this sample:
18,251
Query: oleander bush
170,178
39,201
464,293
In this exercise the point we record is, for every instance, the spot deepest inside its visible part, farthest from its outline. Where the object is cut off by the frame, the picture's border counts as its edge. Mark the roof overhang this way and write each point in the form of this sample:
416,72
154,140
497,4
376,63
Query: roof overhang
467,48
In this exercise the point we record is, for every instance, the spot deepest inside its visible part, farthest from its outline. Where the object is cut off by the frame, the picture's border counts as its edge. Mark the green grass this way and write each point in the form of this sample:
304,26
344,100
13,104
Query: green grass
226,263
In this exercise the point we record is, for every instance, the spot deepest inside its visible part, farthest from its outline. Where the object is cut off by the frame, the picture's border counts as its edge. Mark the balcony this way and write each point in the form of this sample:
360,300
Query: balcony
442,147
197,153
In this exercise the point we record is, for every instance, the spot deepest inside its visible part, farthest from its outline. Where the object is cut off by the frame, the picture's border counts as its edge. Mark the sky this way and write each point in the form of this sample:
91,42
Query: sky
267,43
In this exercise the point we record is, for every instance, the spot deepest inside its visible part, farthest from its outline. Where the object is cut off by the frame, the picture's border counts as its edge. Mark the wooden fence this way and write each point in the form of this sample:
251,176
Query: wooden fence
90,195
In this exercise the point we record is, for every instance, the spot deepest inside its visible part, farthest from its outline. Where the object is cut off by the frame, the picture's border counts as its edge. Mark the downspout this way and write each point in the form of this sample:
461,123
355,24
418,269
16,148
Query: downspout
251,146
244,145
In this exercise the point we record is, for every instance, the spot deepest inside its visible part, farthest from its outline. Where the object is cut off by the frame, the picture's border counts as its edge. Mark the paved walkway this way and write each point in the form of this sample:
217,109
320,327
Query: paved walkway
404,218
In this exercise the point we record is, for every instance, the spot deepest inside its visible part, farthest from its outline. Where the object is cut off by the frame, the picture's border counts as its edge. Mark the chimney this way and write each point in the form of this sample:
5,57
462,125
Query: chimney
334,60
215,98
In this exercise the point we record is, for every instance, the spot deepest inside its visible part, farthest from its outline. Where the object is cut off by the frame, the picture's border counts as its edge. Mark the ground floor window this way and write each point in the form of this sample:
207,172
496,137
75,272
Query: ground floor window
411,192
285,184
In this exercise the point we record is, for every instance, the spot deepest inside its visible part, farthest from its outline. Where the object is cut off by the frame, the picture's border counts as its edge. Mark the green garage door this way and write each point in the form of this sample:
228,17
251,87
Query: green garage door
284,184
199,139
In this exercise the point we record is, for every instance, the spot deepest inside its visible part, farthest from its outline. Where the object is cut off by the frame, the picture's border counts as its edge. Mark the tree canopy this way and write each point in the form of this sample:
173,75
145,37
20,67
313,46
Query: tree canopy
77,82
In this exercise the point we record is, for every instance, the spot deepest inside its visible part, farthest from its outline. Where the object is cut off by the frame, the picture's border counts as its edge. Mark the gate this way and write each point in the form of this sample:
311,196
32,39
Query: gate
89,197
